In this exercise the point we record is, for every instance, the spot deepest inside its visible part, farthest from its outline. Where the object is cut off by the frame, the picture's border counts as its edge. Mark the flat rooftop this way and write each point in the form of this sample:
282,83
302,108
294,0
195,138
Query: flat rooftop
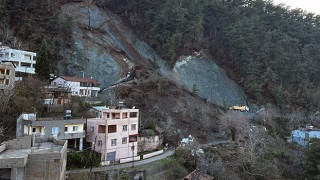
19,157
44,147
59,119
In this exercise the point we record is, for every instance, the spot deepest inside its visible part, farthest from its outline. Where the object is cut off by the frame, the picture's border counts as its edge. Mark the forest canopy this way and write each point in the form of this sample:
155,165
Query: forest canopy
273,51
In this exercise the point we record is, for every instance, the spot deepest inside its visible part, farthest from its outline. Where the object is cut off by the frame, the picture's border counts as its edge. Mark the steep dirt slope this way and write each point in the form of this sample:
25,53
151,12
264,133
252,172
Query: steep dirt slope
105,49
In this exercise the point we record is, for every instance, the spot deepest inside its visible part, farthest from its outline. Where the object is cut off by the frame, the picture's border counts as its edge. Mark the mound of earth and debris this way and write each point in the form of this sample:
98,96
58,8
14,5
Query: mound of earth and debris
184,99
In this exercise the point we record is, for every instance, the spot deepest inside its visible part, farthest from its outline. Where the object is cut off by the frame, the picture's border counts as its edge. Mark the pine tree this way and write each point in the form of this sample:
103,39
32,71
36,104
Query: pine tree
42,66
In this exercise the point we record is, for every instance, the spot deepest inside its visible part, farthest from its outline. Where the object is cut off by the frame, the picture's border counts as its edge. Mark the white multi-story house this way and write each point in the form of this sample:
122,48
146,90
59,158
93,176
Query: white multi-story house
115,134
24,61
78,86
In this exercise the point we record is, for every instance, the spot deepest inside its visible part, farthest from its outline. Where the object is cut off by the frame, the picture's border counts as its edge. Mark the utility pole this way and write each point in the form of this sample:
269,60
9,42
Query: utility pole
132,149
94,148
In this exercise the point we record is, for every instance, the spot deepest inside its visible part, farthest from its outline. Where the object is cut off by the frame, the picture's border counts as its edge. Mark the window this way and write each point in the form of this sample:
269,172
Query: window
124,140
112,128
115,115
133,114
100,143
124,128
33,129
75,128
101,129
113,142
66,129
133,138
55,130
124,115
8,72
7,82
133,127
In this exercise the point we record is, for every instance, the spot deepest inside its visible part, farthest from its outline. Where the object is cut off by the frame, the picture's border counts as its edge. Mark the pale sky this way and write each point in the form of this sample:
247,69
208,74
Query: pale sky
308,5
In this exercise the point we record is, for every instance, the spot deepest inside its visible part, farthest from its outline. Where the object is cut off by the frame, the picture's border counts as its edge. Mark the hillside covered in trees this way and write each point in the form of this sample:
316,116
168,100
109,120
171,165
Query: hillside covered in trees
271,51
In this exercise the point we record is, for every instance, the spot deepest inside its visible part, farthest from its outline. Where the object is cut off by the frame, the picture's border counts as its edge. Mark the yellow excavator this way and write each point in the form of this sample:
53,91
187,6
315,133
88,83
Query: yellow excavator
239,108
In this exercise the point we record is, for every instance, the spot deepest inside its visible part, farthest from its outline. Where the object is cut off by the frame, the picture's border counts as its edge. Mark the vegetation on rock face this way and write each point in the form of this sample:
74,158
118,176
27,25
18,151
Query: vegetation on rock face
313,157
30,22
272,50
42,66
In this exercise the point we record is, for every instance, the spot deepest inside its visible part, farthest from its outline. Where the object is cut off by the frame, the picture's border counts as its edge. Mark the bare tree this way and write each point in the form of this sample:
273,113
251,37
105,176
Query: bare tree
315,118
5,97
268,116
234,124
2,131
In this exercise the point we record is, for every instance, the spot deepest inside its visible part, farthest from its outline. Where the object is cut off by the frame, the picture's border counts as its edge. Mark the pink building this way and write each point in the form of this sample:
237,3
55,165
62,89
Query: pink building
115,134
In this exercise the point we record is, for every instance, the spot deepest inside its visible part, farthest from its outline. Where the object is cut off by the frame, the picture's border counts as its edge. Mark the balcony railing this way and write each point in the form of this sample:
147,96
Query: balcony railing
72,135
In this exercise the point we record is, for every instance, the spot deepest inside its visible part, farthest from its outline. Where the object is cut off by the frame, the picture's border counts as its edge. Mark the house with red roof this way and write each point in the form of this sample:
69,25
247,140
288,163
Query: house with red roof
85,87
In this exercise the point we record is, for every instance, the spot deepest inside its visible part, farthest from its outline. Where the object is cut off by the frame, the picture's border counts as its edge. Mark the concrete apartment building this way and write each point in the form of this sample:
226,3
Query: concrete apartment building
85,87
24,61
7,75
60,128
30,158
115,134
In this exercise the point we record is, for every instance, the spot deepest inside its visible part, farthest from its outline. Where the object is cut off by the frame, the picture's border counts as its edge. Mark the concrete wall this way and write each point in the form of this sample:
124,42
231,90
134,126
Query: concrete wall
149,143
125,160
152,154
17,173
12,162
20,143
20,124
51,165
7,74
3,147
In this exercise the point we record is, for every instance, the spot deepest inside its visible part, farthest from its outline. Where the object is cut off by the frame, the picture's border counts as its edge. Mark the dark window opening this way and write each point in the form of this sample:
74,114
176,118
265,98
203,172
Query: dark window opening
133,114
133,138
33,129
102,129
65,129
112,128
115,115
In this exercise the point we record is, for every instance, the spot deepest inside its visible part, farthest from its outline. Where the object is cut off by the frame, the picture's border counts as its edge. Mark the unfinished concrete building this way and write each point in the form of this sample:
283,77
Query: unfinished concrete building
115,134
62,128
7,75
30,158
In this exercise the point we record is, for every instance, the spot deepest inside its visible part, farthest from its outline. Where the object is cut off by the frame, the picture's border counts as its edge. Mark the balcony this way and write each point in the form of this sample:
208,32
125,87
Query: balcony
73,135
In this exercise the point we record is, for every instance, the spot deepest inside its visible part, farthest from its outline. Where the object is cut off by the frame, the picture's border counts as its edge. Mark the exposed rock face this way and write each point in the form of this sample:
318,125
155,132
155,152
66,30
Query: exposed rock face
97,50
211,82
104,49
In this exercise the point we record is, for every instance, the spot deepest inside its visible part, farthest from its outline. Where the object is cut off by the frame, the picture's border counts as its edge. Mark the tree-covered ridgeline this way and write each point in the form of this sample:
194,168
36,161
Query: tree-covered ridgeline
273,51
24,24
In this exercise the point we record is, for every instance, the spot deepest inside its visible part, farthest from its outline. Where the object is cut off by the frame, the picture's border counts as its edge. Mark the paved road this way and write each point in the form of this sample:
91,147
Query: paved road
126,165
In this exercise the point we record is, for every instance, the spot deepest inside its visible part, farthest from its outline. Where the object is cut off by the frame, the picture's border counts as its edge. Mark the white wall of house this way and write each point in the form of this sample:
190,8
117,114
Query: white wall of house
74,128
76,89
24,60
